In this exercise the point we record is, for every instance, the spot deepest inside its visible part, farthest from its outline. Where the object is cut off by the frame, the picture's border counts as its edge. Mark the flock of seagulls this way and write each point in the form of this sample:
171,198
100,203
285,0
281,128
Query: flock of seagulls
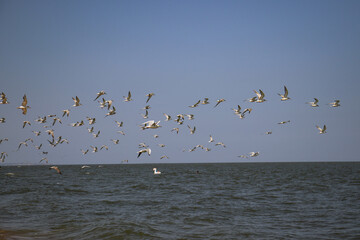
55,140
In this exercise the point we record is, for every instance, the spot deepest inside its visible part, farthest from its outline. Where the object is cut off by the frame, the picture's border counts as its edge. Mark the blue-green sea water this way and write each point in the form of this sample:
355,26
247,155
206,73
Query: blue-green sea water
187,201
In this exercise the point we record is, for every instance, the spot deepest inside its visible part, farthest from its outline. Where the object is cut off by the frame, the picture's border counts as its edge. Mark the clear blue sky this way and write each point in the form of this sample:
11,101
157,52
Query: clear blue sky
183,51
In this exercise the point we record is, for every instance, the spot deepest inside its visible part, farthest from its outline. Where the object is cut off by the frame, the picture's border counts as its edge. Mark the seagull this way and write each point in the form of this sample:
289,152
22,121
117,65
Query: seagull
24,106
268,133
3,99
66,112
142,145
195,105
121,132
109,103
148,150
103,103
321,130
115,141
26,122
161,145
283,122
44,159
50,132
3,155
168,117
285,96
175,129
2,120
220,143
211,139
219,101
336,103
104,146
238,110
95,149
3,140
156,136
146,115
41,120
150,124
164,156
96,134
314,104
254,154
190,116
85,166
155,171
119,124
128,98
38,147
253,99
76,102
149,96
111,112
56,119
192,130
100,94
91,130
206,101
91,120
84,152
260,96
56,168
243,156
22,143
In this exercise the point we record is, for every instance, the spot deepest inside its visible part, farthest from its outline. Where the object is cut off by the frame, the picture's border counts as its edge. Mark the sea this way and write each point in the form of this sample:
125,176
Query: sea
186,201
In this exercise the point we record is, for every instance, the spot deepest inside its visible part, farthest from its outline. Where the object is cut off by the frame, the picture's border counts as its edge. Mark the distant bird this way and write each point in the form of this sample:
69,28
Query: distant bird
254,154
109,103
283,122
96,134
76,102
95,149
190,116
195,105
56,119
111,112
103,103
121,132
211,139
156,171
85,166
164,156
3,155
176,130
50,132
104,146
91,130
115,141
66,112
26,122
268,133
237,110
205,101
168,117
156,136
149,96
142,145
44,159
22,143
150,124
192,130
119,124
24,107
3,140
219,101
146,115
84,152
41,120
3,99
38,147
55,168
336,103
128,98
284,96
100,94
314,103
260,96
243,156
2,120
161,145
321,130
220,144
91,120
148,150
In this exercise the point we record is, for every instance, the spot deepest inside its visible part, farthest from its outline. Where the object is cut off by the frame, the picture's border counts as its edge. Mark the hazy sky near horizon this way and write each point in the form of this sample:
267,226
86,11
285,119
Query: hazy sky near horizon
183,51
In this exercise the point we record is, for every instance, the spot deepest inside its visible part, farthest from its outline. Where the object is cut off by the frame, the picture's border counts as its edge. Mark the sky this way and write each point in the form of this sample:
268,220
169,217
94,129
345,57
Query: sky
183,51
